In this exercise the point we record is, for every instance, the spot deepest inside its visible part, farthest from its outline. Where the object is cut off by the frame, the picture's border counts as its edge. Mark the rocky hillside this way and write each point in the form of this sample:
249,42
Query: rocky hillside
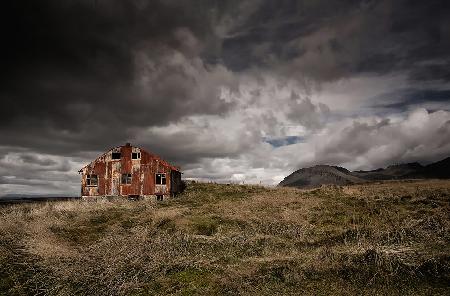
320,174
438,170
334,175
397,171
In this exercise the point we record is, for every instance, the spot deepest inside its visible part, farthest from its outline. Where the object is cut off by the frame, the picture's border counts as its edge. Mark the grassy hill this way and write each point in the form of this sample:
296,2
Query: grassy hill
387,238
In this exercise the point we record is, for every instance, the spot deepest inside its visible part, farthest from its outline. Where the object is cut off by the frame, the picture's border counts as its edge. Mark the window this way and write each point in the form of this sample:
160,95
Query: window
135,155
91,180
160,179
115,155
126,178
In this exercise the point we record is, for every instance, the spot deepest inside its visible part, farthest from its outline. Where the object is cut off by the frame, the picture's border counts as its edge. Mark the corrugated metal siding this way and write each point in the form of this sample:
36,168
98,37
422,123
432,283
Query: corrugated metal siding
143,170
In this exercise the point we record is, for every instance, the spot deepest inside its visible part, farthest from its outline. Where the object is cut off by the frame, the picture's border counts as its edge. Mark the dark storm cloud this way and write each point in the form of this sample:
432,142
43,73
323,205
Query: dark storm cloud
73,70
328,40
438,71
217,86
266,33
403,99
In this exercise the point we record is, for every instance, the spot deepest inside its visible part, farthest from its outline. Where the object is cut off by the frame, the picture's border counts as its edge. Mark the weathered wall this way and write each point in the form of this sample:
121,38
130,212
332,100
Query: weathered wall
143,170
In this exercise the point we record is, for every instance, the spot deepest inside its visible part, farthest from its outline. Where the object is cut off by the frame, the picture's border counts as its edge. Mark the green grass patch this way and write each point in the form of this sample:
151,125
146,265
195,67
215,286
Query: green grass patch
205,225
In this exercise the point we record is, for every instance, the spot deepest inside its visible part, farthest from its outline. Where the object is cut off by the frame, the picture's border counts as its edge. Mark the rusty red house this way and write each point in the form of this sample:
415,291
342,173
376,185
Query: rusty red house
131,172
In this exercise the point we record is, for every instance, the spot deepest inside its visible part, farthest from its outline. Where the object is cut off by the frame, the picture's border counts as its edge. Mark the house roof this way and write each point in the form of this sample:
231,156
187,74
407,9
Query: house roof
174,168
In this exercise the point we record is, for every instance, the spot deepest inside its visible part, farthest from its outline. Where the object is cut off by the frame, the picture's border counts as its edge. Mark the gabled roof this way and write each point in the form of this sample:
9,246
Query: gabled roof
174,168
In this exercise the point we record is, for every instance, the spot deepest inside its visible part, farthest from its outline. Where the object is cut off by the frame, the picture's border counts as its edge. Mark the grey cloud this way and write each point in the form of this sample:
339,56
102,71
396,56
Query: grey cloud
74,70
178,87
193,141
421,136
77,70
332,40
303,111
12,180
407,98
204,83
35,159
32,172
437,71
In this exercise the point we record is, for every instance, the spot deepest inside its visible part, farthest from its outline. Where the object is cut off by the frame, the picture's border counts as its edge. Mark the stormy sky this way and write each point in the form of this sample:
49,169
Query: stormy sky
243,91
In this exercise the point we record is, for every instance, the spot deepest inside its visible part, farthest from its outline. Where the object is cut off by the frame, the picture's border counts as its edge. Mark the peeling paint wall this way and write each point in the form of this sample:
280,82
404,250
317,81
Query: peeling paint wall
143,170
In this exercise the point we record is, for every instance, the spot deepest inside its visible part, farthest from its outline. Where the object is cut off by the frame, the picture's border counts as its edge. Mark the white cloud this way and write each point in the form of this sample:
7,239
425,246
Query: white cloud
360,143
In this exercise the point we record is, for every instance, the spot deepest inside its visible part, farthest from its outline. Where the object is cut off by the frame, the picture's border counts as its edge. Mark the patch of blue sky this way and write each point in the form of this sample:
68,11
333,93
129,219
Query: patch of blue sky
283,141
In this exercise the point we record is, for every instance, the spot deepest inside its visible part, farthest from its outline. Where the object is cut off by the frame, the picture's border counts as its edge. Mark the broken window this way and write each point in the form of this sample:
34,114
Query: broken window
126,178
91,180
135,155
115,155
160,179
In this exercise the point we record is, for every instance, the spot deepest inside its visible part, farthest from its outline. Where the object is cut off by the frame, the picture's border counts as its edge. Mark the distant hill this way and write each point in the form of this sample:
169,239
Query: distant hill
438,170
397,171
19,198
320,174
327,175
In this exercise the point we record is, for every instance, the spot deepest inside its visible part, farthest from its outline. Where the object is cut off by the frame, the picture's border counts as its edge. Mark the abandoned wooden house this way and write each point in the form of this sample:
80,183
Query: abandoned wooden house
131,172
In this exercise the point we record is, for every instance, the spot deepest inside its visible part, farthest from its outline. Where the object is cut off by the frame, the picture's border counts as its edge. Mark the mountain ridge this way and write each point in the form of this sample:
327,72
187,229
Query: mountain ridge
318,175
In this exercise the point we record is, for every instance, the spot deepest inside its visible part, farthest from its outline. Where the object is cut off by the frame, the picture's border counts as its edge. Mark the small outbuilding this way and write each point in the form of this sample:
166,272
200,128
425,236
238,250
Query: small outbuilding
131,172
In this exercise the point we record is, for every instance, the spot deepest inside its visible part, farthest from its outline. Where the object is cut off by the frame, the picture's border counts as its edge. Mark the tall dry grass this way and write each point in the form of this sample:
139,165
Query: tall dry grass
385,239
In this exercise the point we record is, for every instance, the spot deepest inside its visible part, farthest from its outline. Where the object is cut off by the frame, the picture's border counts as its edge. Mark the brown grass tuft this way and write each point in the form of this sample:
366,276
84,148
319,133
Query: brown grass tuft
390,238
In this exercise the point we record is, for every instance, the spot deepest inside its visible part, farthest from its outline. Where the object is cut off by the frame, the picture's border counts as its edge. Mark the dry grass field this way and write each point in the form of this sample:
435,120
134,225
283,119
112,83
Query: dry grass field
388,238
